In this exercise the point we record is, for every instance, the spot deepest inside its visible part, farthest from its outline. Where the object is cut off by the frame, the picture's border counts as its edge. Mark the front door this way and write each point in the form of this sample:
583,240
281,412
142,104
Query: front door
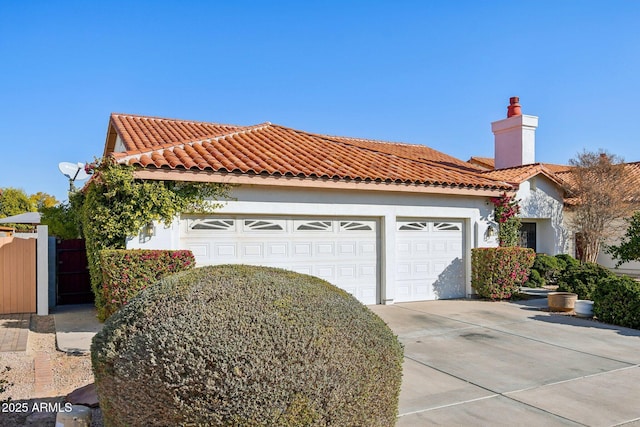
528,235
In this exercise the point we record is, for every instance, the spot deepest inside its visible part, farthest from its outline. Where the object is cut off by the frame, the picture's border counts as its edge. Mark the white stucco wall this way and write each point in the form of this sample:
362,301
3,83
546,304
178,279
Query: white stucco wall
541,201
617,231
385,207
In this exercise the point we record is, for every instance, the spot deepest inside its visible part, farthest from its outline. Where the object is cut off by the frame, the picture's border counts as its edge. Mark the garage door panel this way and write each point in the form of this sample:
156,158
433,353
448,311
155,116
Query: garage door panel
302,249
254,250
276,250
429,258
341,251
225,251
347,248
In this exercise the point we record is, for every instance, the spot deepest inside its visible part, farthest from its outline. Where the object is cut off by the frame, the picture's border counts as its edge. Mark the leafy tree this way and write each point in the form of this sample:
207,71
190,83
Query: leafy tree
62,220
599,198
42,200
629,247
14,201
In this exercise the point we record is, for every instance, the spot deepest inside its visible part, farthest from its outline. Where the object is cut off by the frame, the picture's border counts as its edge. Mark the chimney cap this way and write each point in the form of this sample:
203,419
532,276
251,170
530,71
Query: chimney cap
514,108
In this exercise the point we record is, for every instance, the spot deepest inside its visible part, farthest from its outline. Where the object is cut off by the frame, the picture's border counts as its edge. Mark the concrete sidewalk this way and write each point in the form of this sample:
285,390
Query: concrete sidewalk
75,327
497,363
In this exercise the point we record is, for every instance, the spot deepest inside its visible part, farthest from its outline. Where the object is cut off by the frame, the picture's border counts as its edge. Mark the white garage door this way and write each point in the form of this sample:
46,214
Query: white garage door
340,251
429,260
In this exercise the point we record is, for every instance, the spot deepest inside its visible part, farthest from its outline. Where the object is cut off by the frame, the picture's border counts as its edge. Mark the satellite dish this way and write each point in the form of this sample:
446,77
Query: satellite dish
73,171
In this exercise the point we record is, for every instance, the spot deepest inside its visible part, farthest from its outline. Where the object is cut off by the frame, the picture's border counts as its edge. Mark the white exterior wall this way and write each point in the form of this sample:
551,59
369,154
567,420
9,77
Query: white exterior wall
385,207
541,202
617,231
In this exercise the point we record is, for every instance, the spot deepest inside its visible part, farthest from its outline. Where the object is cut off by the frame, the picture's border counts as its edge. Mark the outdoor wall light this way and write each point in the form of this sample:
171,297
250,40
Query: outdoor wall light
150,229
491,231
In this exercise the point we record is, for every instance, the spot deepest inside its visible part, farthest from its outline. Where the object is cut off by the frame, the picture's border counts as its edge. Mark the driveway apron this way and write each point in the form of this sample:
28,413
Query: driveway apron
470,362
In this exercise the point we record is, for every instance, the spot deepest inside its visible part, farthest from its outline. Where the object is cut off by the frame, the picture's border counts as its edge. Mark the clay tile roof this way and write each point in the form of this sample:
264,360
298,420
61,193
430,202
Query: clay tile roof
141,132
483,162
517,175
278,150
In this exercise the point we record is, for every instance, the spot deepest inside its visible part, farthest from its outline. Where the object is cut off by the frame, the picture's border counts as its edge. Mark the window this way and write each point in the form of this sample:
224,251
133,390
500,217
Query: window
211,224
354,226
251,224
528,235
314,226
413,226
446,226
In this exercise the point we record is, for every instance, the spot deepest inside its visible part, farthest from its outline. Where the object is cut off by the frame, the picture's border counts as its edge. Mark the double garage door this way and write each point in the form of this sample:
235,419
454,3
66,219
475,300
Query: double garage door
342,251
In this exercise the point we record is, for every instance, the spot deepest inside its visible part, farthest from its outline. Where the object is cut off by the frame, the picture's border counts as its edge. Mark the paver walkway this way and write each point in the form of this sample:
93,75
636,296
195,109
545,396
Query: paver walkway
14,331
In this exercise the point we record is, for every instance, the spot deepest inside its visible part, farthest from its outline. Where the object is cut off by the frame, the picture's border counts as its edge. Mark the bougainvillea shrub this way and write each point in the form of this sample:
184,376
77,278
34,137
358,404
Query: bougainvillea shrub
127,272
497,273
505,213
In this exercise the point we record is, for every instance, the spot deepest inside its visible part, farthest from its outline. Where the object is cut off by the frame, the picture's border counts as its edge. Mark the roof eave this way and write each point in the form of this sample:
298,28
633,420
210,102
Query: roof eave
313,182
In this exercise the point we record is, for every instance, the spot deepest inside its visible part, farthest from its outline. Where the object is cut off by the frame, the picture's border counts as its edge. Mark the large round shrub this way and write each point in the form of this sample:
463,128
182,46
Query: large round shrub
241,345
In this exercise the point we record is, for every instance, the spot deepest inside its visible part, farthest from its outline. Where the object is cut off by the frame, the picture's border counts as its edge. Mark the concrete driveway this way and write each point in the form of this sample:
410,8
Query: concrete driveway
486,363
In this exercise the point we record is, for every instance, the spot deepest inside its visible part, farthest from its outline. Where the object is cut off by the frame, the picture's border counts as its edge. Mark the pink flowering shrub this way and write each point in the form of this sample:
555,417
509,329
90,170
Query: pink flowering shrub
127,272
505,213
497,273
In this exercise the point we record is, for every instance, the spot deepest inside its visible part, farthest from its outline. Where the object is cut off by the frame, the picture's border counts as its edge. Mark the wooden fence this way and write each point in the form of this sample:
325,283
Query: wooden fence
17,275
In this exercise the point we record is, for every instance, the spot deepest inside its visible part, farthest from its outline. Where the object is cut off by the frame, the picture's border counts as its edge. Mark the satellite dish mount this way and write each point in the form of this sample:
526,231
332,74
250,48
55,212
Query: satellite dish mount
73,171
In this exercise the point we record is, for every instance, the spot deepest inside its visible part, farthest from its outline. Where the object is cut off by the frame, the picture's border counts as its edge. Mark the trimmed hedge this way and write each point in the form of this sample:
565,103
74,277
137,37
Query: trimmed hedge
239,345
497,273
127,272
583,279
616,300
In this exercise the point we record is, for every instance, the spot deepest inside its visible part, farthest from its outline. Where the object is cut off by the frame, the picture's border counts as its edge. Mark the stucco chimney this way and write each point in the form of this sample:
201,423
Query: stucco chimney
515,137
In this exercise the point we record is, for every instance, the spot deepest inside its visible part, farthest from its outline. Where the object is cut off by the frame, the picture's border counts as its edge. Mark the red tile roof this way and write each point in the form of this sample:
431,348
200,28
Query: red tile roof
155,143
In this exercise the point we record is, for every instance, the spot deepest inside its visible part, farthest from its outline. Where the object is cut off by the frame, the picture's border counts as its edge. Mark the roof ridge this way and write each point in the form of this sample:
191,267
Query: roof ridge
140,116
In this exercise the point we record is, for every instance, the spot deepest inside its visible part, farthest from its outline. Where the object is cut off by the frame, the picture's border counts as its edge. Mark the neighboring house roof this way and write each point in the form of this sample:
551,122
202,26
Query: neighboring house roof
268,149
482,162
23,218
519,174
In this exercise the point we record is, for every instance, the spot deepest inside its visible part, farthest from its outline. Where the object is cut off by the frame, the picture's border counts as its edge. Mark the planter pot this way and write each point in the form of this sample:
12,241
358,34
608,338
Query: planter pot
584,308
561,301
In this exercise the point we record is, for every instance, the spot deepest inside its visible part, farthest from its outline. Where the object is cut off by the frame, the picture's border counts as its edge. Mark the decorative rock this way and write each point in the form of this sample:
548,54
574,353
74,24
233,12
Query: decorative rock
86,396
79,416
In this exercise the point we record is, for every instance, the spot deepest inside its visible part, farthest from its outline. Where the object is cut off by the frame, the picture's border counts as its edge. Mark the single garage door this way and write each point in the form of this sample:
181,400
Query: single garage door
429,260
341,251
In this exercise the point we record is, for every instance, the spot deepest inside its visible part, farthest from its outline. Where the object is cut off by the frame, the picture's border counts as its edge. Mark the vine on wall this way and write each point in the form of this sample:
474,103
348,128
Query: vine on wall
505,213
115,205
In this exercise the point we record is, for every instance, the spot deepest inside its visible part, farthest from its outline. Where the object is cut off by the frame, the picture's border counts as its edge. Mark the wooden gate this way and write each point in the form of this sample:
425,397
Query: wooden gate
74,284
17,275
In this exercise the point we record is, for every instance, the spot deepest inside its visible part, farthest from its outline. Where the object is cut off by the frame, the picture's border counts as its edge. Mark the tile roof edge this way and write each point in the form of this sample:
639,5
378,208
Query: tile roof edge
499,185
141,116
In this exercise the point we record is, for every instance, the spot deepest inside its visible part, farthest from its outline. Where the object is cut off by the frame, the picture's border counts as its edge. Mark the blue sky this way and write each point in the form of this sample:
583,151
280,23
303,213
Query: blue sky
425,72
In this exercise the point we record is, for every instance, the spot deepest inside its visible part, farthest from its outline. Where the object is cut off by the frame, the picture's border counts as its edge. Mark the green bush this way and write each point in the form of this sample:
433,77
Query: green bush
127,272
535,280
567,260
616,300
240,345
549,267
582,279
497,273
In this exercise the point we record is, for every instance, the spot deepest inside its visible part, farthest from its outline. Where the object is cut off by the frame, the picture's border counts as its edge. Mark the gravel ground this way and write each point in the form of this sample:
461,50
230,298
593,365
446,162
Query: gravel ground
69,373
